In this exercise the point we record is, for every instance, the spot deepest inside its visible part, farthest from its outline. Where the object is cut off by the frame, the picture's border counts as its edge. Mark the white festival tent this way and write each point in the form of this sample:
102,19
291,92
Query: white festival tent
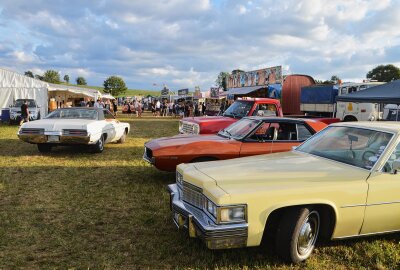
16,86
73,91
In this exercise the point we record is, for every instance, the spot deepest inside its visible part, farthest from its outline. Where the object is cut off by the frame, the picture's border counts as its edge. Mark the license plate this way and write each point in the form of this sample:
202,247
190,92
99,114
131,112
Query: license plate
53,138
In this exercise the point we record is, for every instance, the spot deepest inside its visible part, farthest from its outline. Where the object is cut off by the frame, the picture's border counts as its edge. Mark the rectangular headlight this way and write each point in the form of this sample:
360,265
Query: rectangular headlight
211,208
232,214
180,126
196,129
179,178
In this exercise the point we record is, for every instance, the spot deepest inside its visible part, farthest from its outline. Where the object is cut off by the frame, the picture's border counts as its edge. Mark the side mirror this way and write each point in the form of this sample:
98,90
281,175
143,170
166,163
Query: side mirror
395,166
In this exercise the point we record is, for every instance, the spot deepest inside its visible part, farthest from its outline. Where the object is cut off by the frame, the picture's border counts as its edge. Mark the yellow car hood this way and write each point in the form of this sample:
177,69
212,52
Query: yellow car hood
276,171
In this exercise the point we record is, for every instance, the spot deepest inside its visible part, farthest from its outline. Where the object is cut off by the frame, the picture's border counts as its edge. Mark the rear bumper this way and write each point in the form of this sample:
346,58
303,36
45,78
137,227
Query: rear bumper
199,224
43,138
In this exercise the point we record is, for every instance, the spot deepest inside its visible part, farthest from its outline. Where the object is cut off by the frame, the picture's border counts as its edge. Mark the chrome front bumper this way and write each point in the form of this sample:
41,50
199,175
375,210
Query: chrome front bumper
199,224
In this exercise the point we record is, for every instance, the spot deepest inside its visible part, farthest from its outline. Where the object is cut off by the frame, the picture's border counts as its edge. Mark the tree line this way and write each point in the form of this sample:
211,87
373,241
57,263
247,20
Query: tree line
381,73
113,85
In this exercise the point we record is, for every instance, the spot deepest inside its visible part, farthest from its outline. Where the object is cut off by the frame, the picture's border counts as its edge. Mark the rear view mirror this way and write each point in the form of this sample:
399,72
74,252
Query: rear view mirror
395,166
352,138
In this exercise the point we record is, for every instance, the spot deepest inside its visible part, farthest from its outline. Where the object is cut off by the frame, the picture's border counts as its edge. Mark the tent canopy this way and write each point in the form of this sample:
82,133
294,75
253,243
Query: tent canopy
243,90
107,96
15,86
385,93
93,93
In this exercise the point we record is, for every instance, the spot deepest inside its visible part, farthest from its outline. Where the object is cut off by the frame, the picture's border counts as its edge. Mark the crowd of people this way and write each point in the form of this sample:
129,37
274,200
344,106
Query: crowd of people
177,109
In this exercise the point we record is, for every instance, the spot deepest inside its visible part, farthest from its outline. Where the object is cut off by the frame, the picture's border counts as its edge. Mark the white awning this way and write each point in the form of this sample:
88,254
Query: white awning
93,93
107,96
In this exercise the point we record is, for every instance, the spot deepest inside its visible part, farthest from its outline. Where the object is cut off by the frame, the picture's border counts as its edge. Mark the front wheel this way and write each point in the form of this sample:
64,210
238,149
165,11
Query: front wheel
44,148
297,234
99,146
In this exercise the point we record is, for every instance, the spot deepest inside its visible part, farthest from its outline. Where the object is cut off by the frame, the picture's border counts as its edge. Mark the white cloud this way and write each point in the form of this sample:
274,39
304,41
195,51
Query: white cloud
186,43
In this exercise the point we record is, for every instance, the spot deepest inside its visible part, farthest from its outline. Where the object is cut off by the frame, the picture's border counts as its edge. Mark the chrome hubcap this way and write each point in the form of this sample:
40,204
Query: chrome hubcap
308,234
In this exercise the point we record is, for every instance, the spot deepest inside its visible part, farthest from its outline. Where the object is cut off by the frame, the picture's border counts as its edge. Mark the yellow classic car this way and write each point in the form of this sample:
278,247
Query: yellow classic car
342,182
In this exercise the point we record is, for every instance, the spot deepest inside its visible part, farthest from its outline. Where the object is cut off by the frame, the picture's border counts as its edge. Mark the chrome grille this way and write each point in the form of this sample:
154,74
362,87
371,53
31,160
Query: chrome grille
31,131
187,128
192,194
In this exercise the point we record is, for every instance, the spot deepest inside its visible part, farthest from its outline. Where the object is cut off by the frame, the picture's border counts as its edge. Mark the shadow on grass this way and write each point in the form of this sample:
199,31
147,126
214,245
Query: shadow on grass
115,151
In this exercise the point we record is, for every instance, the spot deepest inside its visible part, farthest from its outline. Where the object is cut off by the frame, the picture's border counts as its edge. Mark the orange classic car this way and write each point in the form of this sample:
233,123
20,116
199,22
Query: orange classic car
247,137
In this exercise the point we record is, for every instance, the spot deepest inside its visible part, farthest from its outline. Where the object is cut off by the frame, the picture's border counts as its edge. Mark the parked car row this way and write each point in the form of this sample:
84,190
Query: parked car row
340,181
287,180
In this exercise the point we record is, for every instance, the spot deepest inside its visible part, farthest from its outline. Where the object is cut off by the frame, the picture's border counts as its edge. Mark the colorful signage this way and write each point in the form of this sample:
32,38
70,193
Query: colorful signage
259,77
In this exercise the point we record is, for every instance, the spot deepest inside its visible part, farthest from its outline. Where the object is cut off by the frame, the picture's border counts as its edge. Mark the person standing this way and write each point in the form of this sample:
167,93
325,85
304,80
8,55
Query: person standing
136,105
98,104
158,108
140,109
115,107
24,112
203,108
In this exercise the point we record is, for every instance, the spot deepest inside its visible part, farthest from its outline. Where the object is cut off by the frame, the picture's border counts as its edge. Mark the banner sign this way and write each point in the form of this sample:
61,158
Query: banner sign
197,94
259,77
183,92
214,92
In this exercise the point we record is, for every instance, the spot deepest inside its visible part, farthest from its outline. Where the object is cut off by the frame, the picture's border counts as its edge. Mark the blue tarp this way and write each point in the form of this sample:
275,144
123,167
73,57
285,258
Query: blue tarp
243,90
321,94
274,90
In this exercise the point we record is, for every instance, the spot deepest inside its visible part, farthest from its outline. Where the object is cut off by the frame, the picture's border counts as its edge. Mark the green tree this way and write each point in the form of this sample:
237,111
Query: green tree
114,85
81,81
235,71
39,77
222,80
66,78
384,73
29,74
51,76
335,79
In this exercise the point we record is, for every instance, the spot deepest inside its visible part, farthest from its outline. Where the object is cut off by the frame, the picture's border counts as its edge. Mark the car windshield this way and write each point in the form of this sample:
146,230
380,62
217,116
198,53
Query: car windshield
19,102
354,146
73,114
239,109
240,129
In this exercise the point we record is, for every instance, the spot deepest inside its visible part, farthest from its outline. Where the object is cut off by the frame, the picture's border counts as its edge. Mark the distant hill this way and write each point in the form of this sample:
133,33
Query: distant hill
128,93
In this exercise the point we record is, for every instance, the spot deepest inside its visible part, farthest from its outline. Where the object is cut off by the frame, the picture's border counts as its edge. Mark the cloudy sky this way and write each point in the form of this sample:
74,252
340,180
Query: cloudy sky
185,43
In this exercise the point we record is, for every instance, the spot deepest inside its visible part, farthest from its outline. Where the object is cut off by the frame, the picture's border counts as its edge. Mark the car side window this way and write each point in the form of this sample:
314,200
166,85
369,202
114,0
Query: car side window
286,132
395,155
303,133
261,134
265,110
108,115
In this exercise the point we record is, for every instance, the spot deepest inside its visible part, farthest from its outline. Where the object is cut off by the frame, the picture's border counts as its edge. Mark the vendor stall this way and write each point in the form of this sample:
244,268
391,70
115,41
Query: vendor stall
71,96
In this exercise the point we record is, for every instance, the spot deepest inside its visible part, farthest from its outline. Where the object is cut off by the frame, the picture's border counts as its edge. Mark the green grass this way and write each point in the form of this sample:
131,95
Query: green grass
128,93
74,209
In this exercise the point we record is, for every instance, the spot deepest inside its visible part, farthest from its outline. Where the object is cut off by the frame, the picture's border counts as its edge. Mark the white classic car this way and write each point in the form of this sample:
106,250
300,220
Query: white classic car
71,126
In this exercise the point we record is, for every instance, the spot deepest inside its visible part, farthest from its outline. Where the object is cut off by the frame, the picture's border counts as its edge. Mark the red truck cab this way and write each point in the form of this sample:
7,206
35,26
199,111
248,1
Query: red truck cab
240,108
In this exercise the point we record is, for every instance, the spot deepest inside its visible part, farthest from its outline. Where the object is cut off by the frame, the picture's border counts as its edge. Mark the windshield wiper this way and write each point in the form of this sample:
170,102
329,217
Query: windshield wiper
230,135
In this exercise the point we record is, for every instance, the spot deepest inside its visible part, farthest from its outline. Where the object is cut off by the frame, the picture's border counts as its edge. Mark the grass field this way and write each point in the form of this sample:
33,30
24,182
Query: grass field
71,209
